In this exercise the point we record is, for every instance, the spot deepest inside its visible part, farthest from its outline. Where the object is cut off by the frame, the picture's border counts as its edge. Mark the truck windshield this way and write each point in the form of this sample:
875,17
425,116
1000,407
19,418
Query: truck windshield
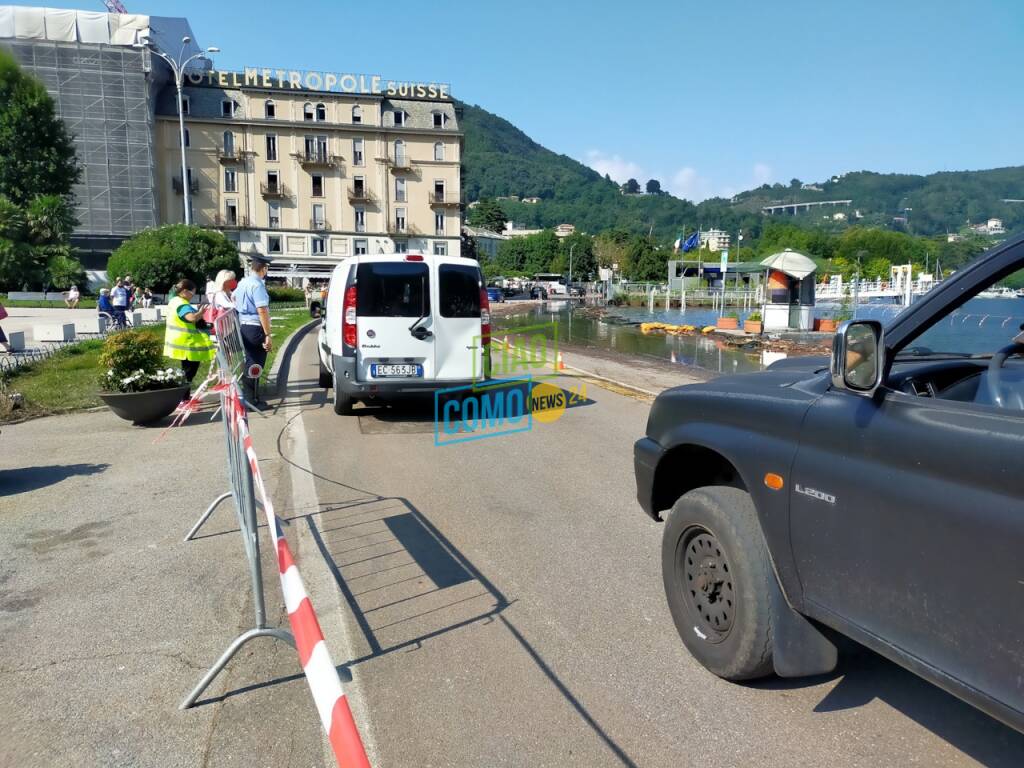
393,289
460,290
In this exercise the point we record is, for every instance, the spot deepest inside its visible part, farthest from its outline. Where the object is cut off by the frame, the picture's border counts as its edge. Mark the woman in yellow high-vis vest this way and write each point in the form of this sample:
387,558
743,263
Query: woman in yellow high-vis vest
185,338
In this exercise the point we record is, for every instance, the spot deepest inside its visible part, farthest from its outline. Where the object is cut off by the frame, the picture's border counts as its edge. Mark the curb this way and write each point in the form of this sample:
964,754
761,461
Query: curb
282,362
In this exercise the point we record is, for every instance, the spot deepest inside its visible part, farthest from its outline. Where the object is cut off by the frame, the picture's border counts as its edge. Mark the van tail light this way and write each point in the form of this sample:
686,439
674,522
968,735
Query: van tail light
348,320
485,317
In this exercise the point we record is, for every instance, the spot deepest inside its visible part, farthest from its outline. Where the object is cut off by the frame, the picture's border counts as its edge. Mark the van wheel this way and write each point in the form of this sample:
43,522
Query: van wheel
326,380
342,402
716,570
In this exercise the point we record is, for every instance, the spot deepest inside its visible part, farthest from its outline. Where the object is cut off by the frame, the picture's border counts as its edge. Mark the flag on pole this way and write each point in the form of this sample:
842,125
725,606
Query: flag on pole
693,241
678,244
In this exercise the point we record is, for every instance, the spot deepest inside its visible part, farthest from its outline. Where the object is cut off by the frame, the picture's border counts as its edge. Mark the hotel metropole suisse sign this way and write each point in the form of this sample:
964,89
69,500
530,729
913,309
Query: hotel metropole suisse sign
331,82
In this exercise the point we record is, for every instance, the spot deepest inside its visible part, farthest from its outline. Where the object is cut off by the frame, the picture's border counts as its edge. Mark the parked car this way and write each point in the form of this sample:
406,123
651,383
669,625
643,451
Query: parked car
538,292
495,294
402,325
879,494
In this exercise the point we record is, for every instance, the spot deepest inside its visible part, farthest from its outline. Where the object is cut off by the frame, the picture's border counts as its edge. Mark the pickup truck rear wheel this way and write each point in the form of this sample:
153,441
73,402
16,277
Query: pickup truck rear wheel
342,401
716,571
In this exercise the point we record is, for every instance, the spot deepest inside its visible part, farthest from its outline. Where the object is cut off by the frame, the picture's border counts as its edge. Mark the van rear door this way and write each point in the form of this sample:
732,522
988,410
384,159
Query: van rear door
396,330
457,345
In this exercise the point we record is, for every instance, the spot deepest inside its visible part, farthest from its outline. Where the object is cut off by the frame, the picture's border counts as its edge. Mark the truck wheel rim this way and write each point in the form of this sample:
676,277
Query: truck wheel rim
706,581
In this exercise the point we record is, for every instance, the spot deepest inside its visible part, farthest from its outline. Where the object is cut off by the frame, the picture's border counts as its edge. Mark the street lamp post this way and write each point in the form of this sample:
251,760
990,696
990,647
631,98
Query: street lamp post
178,67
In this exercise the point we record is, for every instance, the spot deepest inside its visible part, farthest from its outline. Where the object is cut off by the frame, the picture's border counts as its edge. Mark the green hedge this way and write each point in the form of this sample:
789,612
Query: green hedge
281,293
158,258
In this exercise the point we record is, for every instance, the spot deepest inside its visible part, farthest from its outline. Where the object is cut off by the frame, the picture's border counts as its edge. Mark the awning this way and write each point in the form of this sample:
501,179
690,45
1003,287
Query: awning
791,263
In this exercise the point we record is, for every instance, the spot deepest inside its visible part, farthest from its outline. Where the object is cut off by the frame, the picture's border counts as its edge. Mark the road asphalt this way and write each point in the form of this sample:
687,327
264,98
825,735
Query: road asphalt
489,603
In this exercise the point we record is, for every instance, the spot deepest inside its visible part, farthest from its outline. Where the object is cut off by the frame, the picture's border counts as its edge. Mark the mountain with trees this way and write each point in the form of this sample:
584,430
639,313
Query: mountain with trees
500,160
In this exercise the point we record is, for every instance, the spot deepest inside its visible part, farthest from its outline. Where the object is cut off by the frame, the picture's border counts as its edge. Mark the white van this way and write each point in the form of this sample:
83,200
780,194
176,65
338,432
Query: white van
403,324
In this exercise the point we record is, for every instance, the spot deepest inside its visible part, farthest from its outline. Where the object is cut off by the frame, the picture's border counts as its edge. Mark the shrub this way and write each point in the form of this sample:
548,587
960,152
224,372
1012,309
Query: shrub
133,361
160,257
66,271
754,317
280,293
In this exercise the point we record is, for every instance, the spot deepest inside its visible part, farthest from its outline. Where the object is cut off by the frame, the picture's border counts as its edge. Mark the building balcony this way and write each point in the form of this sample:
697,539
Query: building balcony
193,185
273,190
320,225
445,200
229,155
405,230
317,159
360,195
397,164
221,221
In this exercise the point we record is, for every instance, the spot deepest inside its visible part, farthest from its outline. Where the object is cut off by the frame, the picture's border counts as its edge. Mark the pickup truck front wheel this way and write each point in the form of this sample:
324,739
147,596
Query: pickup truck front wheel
717,575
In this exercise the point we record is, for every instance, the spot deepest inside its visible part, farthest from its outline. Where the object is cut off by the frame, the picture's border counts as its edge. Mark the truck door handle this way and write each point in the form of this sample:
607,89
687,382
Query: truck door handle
421,333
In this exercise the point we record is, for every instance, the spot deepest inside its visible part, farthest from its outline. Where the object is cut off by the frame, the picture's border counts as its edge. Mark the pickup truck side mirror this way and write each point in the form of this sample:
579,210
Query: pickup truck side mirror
858,356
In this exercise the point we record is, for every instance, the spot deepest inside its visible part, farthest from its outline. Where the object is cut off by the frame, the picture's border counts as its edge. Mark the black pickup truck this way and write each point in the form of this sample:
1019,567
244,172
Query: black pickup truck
879,494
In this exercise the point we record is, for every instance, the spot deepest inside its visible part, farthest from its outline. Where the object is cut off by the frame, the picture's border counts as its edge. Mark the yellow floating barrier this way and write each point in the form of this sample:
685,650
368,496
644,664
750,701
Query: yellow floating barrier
708,329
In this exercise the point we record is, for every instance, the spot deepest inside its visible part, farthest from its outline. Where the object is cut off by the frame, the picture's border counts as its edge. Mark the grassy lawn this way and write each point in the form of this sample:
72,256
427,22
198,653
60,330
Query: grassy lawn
82,303
68,381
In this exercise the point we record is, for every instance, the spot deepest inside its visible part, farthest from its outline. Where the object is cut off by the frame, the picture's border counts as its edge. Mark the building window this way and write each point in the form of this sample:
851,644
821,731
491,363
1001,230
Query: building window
399,152
321,112
231,213
439,190
399,117
230,180
185,106
319,246
440,119
318,185
273,181
315,147
360,219
269,109
229,143
271,147
307,111
439,151
357,114
440,248
227,108
357,151
400,219
319,221
188,139
273,243
399,190
359,186
359,247
438,223
401,246
274,214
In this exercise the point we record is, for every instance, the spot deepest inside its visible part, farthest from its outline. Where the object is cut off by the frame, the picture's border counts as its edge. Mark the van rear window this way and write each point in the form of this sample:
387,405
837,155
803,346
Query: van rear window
460,290
392,289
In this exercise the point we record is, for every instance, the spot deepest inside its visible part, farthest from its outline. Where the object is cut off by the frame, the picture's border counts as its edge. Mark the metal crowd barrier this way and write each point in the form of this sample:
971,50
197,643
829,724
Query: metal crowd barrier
248,492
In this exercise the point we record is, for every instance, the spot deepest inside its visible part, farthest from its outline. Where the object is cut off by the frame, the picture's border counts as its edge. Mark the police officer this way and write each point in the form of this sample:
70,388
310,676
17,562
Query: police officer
253,305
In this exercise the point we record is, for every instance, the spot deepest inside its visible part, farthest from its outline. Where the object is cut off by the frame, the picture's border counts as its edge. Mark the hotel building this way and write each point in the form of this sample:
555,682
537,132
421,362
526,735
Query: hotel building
312,176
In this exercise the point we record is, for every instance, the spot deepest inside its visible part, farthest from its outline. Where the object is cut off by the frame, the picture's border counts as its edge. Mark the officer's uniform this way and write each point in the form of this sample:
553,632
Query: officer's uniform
250,295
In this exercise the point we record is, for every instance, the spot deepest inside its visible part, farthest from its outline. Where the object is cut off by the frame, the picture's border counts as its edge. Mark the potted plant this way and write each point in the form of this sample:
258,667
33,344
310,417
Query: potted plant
728,322
136,383
753,323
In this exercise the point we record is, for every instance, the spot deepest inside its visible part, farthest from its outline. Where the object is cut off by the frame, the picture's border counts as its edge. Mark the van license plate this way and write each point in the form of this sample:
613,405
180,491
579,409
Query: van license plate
382,370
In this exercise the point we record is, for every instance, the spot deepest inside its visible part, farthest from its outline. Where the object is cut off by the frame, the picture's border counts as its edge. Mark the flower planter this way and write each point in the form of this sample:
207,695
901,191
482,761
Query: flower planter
727,323
752,326
144,407
827,325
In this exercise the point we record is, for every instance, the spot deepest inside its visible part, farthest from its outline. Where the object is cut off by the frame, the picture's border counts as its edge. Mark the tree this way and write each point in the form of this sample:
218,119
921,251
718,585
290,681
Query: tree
37,156
653,187
631,187
488,215
158,258
34,250
795,183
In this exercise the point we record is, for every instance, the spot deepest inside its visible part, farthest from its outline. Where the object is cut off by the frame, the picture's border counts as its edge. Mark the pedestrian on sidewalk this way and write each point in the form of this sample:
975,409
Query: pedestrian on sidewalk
253,305
185,337
119,298
72,298
3,336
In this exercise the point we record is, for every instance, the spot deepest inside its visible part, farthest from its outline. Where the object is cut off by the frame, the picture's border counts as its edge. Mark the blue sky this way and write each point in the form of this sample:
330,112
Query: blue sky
709,97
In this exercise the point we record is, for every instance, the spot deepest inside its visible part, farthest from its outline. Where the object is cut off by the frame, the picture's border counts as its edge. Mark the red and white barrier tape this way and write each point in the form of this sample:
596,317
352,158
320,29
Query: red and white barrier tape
321,674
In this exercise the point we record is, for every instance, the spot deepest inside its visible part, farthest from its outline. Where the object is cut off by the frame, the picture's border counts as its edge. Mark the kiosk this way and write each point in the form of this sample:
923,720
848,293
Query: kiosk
789,292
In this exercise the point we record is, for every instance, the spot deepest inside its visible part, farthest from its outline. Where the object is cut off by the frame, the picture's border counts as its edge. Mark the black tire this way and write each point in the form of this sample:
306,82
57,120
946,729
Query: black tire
717,576
342,402
326,380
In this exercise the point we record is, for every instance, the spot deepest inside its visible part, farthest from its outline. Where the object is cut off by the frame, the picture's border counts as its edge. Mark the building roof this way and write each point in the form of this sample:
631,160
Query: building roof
791,262
481,232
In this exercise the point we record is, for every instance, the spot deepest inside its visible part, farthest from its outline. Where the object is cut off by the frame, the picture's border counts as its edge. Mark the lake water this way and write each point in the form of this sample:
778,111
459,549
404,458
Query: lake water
981,325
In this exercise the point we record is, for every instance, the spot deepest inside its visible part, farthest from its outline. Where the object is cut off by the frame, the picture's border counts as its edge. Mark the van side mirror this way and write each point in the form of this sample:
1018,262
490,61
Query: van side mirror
858,356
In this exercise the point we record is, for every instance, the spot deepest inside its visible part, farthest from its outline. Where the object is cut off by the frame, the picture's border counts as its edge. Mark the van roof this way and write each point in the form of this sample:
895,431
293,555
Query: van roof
427,258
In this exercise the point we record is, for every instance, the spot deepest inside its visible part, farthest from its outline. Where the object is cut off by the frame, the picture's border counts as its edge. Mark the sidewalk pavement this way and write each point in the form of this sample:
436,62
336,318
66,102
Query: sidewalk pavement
108,619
